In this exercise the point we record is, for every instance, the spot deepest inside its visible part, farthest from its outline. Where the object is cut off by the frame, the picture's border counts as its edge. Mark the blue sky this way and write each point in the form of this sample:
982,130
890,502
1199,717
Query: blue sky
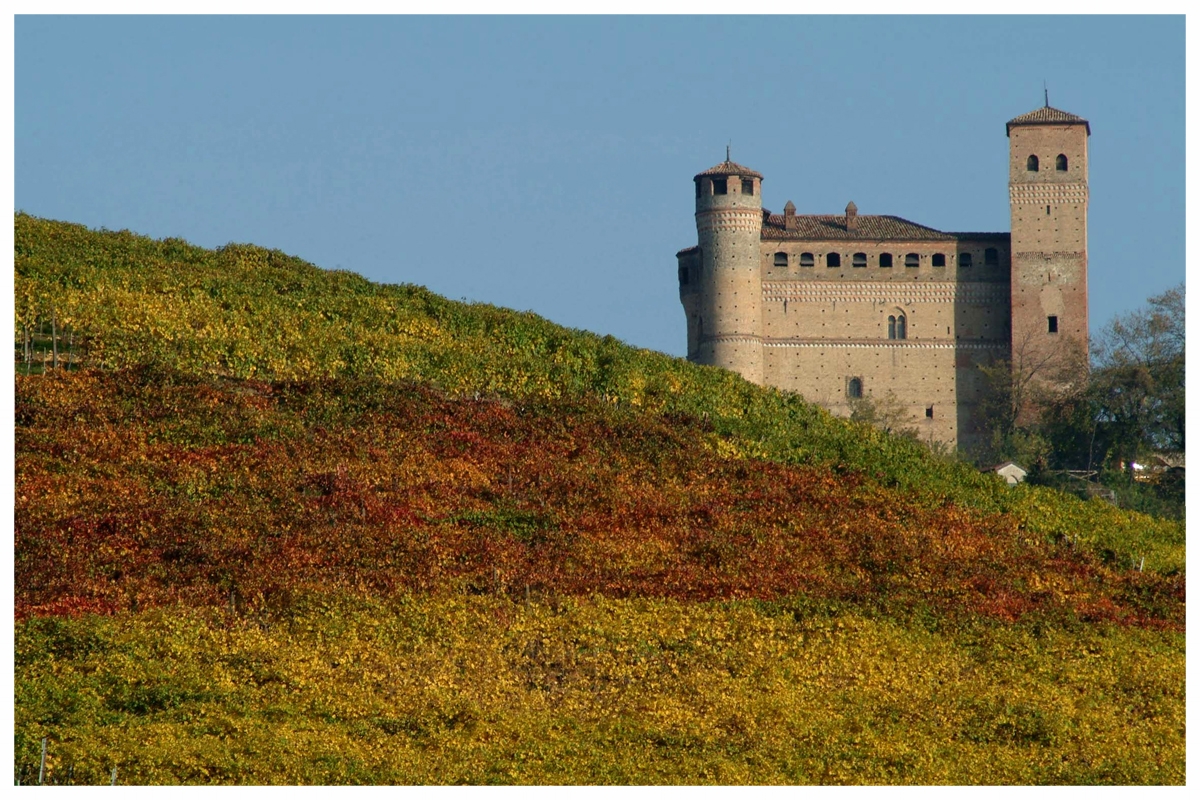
545,163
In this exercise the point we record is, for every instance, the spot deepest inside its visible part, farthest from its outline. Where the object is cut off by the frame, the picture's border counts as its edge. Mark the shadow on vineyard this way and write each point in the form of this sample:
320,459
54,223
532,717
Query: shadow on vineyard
310,529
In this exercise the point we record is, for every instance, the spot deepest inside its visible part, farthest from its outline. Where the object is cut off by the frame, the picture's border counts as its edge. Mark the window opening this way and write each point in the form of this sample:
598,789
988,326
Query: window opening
833,260
929,412
939,259
1031,164
697,190
720,186
854,388
1060,163
860,259
991,257
964,259
807,260
901,327
747,186
683,276
1052,324
891,327
781,259
1047,211
885,259
912,260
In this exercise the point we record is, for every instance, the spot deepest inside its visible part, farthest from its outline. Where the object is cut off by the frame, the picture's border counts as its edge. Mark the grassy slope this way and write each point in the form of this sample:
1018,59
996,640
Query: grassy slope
246,312
343,561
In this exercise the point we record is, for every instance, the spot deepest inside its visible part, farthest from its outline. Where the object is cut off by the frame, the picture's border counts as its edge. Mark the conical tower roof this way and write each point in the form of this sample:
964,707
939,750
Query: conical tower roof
1046,115
730,168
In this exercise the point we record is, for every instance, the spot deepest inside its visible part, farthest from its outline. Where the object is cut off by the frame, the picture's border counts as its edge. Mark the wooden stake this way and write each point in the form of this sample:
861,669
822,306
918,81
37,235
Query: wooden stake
42,768
54,336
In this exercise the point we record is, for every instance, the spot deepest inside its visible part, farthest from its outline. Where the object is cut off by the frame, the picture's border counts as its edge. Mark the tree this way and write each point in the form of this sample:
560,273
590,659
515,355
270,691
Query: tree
1138,380
886,413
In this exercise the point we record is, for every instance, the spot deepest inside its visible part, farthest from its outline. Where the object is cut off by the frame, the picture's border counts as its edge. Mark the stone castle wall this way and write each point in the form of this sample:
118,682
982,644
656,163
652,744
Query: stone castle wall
773,303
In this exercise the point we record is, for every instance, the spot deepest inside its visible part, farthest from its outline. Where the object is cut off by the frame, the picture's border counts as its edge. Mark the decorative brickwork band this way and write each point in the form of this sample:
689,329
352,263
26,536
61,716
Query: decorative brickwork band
1042,193
862,344
889,293
729,219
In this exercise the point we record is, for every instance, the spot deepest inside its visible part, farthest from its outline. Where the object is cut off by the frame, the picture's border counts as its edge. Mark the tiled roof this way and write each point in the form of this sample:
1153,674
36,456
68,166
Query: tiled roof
730,168
691,249
1046,116
820,227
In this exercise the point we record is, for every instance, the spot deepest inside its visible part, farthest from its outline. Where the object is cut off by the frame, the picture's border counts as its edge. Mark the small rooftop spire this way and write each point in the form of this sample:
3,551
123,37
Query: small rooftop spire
727,151
1046,92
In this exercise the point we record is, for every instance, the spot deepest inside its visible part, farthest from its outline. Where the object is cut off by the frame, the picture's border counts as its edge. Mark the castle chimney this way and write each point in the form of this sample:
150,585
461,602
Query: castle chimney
851,216
789,216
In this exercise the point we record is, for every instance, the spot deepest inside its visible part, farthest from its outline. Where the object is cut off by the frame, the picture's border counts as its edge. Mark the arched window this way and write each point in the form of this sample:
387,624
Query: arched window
939,259
854,388
891,327
781,259
912,260
860,259
885,259
1060,163
901,327
1031,164
991,257
833,260
964,259
807,260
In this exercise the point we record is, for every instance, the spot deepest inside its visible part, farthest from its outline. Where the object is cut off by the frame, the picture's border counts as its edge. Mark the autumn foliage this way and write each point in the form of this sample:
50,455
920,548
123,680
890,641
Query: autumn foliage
280,525
141,487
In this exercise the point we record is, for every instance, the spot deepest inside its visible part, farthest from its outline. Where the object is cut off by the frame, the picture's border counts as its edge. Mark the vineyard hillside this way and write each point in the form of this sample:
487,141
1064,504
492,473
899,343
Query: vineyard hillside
276,524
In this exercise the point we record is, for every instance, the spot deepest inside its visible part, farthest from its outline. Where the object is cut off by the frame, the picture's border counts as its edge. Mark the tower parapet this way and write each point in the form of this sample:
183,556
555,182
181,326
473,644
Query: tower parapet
728,305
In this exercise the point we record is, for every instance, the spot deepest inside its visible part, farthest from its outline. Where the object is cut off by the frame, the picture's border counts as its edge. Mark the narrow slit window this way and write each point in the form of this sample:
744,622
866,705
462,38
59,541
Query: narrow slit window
912,260
860,259
1052,324
833,260
807,260
939,259
885,259
929,412
901,327
697,190
891,327
781,259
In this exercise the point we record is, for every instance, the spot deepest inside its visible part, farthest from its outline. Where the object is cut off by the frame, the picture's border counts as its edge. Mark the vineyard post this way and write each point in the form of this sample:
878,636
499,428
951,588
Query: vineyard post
113,781
54,336
42,767
71,350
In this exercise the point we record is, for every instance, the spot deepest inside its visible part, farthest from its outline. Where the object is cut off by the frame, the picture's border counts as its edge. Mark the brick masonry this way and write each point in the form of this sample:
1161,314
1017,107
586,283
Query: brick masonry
810,303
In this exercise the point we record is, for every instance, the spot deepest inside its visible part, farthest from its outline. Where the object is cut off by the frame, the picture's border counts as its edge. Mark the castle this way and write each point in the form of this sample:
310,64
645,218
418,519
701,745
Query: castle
841,307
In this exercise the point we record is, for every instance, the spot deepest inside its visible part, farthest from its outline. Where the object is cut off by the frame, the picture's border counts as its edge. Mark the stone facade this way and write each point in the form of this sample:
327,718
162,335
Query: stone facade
837,307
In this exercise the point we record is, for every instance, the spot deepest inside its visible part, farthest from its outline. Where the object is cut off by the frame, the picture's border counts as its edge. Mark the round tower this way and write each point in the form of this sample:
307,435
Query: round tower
729,228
